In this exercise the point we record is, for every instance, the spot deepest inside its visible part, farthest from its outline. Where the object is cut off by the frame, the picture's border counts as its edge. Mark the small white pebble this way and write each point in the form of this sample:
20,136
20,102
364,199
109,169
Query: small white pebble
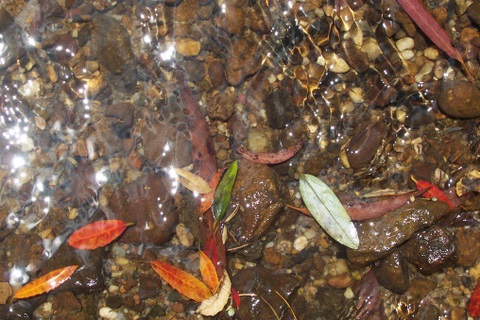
113,288
431,53
356,94
310,234
407,54
108,313
405,44
348,294
122,261
300,243
338,65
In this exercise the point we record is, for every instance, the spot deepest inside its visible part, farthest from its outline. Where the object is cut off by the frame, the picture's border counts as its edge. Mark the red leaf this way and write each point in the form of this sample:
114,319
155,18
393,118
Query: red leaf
433,192
182,281
207,199
236,298
474,304
45,283
97,234
271,157
425,21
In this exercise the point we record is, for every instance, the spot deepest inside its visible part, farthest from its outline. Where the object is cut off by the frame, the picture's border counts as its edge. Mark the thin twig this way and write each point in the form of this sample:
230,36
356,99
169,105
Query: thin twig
288,305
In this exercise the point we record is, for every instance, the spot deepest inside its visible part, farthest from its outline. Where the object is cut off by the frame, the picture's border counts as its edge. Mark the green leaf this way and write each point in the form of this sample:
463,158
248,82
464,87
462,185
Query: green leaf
223,193
327,210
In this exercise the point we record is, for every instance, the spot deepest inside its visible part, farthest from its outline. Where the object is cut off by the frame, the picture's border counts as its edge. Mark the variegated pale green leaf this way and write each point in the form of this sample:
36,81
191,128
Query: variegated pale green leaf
327,210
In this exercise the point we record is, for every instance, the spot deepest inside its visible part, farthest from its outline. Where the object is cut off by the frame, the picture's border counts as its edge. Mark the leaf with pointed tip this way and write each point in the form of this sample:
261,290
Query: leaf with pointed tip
221,200
213,305
208,272
327,210
182,281
97,234
45,283
192,182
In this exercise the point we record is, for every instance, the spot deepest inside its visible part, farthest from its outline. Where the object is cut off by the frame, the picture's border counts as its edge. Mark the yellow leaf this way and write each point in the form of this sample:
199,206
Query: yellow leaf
192,182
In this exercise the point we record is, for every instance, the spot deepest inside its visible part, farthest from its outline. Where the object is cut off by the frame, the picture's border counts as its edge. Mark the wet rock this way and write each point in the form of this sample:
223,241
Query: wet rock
473,12
160,144
336,308
260,192
355,57
459,99
380,236
279,109
392,273
123,111
6,20
110,44
67,304
430,250
222,107
149,286
243,61
265,283
5,292
114,301
188,47
145,202
428,311
216,74
234,19
468,250
420,287
12,45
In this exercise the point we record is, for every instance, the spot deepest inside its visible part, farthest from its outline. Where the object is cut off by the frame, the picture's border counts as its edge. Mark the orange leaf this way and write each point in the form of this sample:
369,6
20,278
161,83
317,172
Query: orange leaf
208,272
207,199
97,234
45,283
182,281
474,303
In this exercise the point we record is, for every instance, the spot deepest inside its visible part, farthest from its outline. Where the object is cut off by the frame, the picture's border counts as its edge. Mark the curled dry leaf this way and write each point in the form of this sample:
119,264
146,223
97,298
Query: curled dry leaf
208,272
182,281
217,302
192,182
97,234
45,283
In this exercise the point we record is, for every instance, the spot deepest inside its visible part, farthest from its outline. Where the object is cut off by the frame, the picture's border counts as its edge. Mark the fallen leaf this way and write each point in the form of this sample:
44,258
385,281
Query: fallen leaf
236,298
474,303
97,234
271,157
45,283
192,182
208,272
327,210
221,200
182,281
427,23
432,192
207,199
217,302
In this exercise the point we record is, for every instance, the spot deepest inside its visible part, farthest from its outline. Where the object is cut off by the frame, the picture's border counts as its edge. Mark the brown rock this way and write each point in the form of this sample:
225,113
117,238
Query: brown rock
340,281
468,248
234,19
67,301
149,286
430,250
392,273
146,203
261,193
222,107
459,99
473,12
379,237
123,111
243,61
5,292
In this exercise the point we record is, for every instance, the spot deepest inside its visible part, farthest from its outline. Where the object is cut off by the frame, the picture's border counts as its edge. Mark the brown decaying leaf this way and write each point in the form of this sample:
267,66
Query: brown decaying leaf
97,234
425,21
182,281
207,199
45,283
192,182
271,157
217,302
207,270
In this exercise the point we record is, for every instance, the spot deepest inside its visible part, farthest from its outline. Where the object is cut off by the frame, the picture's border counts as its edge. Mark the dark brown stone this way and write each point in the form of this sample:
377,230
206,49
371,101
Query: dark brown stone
392,273
459,99
468,248
430,250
